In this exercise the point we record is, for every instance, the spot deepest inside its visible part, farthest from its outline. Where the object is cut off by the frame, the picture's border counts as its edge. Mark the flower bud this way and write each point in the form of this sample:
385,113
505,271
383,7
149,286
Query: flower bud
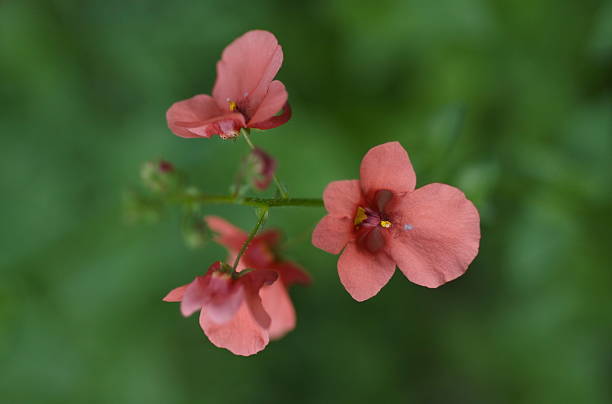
165,166
262,167
159,176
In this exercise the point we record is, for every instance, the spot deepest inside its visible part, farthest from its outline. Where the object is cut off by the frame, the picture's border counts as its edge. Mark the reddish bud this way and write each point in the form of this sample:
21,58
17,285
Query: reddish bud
264,168
159,176
165,166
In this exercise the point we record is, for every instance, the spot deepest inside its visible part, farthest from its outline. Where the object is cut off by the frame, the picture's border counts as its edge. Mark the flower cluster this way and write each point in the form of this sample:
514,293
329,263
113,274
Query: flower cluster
242,312
376,223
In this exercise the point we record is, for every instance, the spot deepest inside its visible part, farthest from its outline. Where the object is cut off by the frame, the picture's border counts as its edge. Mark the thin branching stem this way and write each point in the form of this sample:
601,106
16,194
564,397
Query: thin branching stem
263,213
189,198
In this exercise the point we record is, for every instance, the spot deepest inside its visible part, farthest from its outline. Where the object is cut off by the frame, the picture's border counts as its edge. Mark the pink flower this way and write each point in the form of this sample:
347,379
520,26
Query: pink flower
231,311
261,254
432,233
244,96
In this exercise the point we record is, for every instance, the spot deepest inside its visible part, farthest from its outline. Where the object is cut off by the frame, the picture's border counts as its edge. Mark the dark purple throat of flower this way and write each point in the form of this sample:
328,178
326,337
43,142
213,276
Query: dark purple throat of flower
230,129
371,221
239,106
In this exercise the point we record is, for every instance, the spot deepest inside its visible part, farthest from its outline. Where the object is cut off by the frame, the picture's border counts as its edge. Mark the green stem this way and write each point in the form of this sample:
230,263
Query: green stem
256,202
262,217
279,186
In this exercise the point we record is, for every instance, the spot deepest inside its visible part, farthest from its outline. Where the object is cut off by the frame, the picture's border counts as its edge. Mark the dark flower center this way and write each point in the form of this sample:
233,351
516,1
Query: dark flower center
239,106
371,221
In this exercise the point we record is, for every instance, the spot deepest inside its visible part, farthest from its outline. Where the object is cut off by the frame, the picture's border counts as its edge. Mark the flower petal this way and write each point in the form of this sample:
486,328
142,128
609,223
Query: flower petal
241,335
223,307
227,126
195,109
388,167
176,295
269,237
274,100
228,235
291,273
332,233
257,309
253,281
437,237
277,304
246,69
200,116
258,278
363,274
341,198
258,255
276,120
194,296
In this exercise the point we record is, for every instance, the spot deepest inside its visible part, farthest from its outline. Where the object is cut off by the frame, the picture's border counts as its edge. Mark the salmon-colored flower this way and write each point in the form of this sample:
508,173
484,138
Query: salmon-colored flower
261,254
231,311
244,96
432,233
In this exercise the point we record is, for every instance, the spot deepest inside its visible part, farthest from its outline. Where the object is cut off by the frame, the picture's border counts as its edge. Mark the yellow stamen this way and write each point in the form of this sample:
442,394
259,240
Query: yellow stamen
360,216
386,224
232,106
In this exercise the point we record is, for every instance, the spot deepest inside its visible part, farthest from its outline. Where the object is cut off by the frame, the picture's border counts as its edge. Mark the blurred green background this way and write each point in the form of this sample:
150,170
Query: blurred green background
510,101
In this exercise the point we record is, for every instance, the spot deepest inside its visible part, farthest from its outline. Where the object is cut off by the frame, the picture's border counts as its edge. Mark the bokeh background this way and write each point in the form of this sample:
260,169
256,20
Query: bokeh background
510,101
